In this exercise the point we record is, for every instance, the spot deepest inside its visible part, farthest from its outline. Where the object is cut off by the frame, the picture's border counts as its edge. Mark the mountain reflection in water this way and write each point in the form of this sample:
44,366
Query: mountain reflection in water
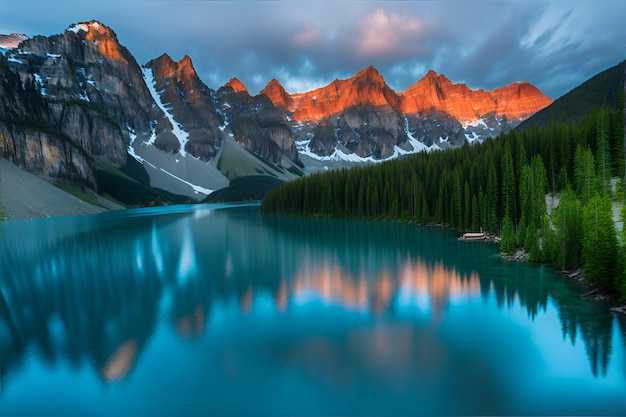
94,290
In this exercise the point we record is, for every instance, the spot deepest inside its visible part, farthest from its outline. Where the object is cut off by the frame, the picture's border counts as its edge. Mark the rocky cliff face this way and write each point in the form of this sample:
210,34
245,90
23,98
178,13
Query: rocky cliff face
71,99
28,138
367,88
191,105
93,90
519,101
369,120
360,113
257,123
94,86
435,92
94,102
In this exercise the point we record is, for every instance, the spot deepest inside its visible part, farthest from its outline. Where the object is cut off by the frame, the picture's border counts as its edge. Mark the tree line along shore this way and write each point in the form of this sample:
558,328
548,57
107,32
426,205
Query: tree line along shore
498,186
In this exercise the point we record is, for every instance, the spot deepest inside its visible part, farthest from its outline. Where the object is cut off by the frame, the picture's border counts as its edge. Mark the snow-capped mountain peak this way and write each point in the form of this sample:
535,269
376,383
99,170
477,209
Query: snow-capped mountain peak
85,26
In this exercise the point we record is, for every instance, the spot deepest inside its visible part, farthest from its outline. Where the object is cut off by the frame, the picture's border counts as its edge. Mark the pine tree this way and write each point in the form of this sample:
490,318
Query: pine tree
603,155
360,212
526,185
467,206
440,206
482,212
531,242
599,243
508,186
508,241
425,214
308,209
491,197
350,196
622,286
584,173
508,201
475,213
567,219
457,198
565,158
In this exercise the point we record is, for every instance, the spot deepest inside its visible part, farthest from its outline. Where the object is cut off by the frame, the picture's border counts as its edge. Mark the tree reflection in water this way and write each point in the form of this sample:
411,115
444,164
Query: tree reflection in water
95,292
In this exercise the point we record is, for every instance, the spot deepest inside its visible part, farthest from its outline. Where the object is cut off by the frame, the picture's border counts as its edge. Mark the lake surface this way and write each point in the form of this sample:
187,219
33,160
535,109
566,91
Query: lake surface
215,310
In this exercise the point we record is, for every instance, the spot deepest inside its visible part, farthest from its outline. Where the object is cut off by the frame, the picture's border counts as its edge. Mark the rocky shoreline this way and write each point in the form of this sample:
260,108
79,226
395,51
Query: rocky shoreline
595,292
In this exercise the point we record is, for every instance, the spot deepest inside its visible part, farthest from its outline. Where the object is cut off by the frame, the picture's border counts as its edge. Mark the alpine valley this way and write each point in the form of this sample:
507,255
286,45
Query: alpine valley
77,108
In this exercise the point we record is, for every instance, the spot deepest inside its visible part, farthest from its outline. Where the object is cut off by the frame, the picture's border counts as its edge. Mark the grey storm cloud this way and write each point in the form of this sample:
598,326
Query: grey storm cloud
486,44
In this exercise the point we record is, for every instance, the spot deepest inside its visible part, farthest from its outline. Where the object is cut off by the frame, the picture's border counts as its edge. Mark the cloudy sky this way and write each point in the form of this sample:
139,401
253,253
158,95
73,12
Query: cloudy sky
486,44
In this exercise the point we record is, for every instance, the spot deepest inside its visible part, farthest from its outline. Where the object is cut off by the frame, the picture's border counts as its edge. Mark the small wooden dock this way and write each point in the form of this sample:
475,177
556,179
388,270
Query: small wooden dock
473,236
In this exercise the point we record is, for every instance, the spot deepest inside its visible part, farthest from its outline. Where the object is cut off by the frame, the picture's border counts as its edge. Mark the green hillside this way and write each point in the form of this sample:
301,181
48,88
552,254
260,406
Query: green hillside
130,185
235,161
602,90
250,176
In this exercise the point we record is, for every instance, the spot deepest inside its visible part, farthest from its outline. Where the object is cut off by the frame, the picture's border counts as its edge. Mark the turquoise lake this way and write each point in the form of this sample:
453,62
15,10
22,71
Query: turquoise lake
215,310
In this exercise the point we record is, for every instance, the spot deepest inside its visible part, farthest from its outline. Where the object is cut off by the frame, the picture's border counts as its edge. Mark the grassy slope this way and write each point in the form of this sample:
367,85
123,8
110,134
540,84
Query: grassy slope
130,185
236,161
251,176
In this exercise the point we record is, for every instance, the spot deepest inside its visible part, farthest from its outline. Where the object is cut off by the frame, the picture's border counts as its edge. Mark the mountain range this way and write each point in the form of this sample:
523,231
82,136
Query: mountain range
77,107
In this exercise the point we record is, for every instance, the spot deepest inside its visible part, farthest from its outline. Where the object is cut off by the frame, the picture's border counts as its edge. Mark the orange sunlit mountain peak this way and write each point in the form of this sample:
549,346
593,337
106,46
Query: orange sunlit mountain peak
370,73
277,94
437,92
236,85
433,92
102,38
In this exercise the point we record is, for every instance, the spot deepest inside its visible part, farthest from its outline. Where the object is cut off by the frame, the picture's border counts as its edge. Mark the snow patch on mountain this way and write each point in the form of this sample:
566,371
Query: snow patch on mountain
78,27
84,27
196,188
184,176
474,123
131,147
181,135
413,141
472,137
14,60
39,82
339,155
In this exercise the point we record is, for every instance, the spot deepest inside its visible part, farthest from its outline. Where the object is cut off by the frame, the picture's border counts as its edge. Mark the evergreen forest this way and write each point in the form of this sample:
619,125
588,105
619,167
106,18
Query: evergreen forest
546,190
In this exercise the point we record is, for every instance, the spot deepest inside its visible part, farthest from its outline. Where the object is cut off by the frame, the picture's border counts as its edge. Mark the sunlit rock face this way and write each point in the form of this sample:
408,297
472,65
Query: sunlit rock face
514,102
90,96
71,99
437,93
257,123
519,101
276,93
357,115
191,104
366,88
370,120
11,41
